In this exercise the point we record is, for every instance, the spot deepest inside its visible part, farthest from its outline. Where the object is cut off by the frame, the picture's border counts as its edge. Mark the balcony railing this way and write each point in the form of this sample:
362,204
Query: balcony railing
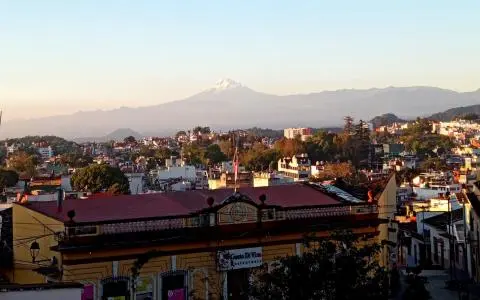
208,220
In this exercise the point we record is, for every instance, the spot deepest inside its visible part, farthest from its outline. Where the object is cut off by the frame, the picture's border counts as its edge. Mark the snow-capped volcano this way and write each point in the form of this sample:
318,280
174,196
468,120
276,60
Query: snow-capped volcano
225,84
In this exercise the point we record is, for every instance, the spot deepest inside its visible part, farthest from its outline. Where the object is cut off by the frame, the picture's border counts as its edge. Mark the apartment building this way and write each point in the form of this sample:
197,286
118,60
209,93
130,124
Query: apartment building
303,133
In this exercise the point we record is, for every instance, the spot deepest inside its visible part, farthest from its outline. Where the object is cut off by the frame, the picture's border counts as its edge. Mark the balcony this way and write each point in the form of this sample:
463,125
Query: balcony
205,220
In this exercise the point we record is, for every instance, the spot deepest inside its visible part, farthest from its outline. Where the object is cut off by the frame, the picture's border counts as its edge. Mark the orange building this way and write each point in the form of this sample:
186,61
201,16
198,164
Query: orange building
200,244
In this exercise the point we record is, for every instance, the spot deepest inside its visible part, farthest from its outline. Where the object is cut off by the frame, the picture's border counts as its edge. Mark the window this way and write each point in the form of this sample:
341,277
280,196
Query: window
144,288
173,286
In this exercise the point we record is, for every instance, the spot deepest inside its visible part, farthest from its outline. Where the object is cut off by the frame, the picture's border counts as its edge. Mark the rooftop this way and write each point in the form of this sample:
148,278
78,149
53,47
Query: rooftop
441,221
173,204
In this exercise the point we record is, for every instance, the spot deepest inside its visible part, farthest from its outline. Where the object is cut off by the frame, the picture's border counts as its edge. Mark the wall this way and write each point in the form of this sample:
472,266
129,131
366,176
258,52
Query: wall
31,226
50,294
387,207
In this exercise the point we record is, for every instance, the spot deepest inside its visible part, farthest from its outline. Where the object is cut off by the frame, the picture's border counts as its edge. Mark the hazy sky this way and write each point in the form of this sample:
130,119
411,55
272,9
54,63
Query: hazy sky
62,56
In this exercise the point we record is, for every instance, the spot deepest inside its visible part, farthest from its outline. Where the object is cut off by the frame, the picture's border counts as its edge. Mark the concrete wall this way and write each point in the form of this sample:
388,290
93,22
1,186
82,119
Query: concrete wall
31,226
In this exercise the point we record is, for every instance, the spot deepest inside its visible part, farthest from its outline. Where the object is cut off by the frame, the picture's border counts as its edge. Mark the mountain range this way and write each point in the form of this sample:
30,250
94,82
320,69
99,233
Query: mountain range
229,104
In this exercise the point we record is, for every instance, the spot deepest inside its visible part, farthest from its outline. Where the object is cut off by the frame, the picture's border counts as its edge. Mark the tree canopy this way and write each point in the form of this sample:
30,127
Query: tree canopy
23,163
8,178
339,268
100,177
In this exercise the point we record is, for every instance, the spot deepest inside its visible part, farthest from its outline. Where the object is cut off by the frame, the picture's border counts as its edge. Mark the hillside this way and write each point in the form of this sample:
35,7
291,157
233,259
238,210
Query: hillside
386,119
450,114
230,105
117,135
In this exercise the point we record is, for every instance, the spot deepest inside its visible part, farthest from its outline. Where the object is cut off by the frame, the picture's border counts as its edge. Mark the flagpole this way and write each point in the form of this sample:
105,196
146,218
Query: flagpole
235,165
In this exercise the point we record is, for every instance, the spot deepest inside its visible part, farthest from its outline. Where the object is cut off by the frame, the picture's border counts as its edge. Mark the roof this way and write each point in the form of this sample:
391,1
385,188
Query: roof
441,221
171,204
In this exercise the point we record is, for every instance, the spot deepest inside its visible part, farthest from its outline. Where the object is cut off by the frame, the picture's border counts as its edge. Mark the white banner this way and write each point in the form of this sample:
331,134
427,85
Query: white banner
240,258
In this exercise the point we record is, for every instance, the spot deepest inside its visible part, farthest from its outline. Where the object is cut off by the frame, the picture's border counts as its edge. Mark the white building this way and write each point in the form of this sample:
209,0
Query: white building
45,152
296,167
303,133
135,181
270,179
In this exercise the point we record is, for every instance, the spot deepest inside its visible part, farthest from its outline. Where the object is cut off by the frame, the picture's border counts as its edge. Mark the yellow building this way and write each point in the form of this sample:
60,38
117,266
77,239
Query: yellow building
201,244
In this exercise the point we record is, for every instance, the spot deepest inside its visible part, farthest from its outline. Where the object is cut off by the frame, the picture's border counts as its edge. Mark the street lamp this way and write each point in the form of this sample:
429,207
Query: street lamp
34,250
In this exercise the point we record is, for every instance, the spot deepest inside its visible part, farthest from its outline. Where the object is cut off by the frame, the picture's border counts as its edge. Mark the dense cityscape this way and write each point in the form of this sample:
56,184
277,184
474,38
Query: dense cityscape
239,150
410,187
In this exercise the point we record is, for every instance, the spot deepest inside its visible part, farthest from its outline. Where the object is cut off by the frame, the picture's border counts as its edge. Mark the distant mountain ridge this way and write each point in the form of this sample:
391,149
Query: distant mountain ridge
229,105
450,114
117,135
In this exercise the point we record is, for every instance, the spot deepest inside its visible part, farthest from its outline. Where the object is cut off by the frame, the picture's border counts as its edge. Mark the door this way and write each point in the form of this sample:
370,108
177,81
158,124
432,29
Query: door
238,282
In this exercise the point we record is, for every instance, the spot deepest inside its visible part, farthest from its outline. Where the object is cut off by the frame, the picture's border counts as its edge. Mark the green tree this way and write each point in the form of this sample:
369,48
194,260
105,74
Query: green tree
76,160
100,177
214,155
193,153
8,178
23,163
339,269
130,140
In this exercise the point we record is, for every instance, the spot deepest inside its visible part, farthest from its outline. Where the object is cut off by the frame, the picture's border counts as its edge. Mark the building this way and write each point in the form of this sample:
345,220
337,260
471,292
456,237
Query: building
303,133
226,180
270,179
44,291
198,243
45,152
296,167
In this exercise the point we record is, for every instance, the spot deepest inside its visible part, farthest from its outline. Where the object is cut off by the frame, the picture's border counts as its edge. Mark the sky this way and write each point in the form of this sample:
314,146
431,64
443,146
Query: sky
60,56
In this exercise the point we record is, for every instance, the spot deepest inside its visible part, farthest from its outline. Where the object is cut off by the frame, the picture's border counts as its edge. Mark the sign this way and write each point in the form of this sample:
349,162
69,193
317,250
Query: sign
87,292
240,259
438,205
178,294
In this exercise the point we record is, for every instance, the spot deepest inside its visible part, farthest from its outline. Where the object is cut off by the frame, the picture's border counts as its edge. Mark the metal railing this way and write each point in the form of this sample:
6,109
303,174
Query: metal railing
205,220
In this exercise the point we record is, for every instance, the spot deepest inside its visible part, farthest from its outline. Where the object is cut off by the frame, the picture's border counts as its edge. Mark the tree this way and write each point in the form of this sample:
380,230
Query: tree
214,155
340,268
227,148
193,153
100,177
130,140
23,163
8,178
76,160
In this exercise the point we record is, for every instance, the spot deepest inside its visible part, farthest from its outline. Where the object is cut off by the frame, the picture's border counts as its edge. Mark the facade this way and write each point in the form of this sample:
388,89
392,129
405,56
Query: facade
226,180
270,179
200,244
45,152
296,167
303,133
70,291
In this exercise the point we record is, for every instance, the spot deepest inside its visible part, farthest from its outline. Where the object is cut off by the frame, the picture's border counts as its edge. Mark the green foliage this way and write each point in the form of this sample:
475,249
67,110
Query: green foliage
260,158
23,163
339,268
59,145
214,155
130,139
100,177
264,132
8,178
76,160
193,153
202,130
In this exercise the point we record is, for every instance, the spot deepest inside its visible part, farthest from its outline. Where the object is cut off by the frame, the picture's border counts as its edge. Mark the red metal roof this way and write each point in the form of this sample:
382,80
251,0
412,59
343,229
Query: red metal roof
175,203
